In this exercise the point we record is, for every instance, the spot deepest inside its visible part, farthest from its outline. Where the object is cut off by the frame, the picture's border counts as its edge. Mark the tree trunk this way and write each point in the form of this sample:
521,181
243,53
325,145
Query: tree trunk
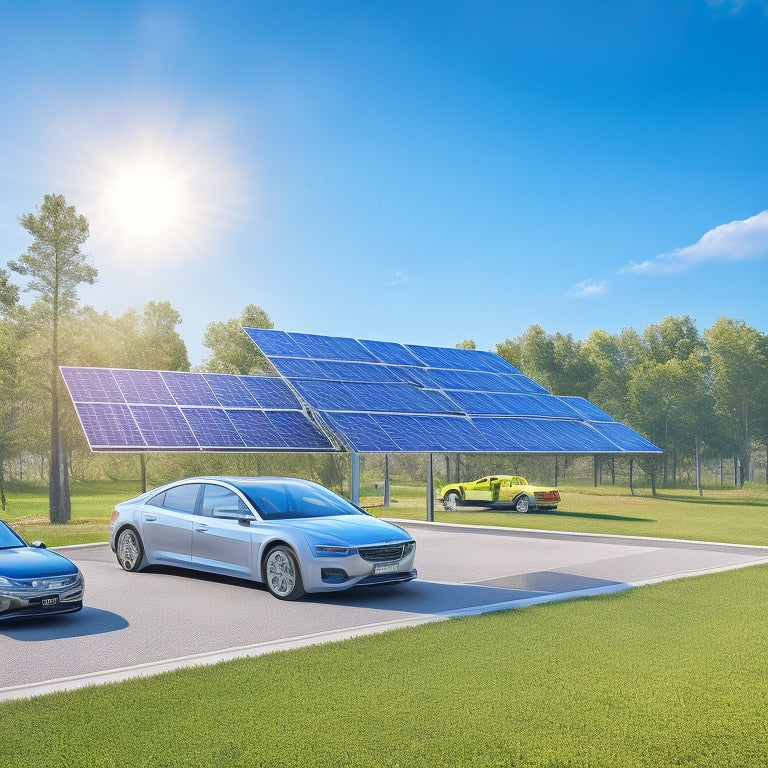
631,471
2,490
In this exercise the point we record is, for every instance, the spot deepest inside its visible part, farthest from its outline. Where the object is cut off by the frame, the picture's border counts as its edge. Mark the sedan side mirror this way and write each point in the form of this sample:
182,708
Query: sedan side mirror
38,545
246,521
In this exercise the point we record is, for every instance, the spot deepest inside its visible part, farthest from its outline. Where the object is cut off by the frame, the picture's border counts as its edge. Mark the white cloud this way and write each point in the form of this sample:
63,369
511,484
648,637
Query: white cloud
588,288
399,279
737,241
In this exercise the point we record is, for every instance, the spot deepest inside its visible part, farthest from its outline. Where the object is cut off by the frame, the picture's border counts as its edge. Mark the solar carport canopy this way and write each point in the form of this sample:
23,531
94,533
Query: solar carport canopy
383,397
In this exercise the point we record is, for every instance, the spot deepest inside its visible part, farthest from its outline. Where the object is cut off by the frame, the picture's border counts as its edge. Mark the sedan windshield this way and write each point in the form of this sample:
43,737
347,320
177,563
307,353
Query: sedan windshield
9,538
281,500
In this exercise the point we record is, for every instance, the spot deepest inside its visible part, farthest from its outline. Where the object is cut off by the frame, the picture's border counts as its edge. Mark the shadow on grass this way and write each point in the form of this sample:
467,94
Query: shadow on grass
533,514
598,516
711,501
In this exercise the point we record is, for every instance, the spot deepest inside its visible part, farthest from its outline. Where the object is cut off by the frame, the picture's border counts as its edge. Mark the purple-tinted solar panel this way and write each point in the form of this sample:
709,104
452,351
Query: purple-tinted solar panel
143,387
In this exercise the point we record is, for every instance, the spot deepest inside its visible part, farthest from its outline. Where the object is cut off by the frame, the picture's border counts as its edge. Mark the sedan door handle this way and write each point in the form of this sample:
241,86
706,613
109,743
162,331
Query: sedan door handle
150,518
202,529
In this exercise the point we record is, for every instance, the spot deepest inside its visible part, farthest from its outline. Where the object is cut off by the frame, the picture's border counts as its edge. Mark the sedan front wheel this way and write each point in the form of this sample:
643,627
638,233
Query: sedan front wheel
282,574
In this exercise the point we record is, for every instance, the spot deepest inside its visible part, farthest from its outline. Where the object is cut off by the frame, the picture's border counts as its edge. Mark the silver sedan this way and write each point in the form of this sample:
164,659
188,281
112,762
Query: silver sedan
293,535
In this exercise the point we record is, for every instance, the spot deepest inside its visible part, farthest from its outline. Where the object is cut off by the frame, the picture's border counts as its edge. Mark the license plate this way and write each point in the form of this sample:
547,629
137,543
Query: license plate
385,568
50,602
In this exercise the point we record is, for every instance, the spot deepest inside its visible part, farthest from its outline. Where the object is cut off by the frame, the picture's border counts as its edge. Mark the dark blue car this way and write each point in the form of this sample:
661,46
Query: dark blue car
35,581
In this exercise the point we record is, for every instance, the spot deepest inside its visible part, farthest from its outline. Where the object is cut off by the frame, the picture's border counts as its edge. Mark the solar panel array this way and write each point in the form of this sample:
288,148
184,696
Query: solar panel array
383,397
136,410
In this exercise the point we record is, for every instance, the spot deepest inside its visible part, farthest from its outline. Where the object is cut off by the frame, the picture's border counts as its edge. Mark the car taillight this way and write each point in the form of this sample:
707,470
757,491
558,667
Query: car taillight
548,495
115,515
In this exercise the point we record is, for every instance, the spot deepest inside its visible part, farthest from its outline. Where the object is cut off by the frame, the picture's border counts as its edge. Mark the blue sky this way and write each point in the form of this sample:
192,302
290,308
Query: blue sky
422,172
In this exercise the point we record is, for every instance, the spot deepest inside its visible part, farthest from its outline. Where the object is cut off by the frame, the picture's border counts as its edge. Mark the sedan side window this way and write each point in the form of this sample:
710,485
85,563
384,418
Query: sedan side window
222,502
182,498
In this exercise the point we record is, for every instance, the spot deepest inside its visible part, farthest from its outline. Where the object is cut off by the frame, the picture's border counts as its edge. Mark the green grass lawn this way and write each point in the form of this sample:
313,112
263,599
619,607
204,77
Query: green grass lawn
672,674
734,516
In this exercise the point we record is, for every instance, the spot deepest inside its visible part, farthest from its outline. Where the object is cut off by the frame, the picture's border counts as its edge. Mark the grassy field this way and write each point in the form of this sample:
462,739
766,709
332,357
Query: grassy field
734,516
674,674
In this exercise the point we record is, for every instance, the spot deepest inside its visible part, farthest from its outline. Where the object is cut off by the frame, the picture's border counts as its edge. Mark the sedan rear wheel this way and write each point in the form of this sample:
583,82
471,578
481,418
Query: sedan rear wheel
522,504
282,574
129,550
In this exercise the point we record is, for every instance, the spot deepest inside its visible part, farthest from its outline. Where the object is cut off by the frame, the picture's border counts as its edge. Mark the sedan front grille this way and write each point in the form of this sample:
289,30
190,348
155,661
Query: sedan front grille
386,552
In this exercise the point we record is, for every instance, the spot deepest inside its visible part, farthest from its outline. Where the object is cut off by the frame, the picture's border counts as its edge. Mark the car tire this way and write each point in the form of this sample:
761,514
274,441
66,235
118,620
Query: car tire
129,550
451,500
282,574
522,504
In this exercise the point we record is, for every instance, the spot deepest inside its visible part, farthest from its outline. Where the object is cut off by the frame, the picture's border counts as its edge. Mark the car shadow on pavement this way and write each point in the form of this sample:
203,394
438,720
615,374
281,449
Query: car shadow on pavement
89,621
435,598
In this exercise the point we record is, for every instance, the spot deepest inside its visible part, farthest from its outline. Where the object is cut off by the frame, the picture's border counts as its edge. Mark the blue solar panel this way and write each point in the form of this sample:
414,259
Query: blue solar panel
145,387
362,433
332,348
586,409
298,433
195,418
230,391
388,352
109,426
576,436
624,437
510,411
461,359
256,430
275,343
212,428
189,388
270,392
91,385
164,427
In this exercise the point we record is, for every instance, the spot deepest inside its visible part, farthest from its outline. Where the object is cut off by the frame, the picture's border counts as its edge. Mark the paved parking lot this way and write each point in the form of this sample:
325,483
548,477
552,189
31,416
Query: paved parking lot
135,624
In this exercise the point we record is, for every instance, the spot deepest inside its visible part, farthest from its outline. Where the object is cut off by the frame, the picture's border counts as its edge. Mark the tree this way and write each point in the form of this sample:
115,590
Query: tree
740,366
466,344
233,351
55,267
9,296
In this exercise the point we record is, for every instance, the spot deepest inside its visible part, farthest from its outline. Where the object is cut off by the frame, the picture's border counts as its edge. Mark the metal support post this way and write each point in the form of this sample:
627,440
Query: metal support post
386,481
430,492
354,490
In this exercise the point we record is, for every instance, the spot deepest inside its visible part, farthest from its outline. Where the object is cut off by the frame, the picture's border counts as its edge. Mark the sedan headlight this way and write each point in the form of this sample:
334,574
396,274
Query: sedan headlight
330,550
5,582
408,547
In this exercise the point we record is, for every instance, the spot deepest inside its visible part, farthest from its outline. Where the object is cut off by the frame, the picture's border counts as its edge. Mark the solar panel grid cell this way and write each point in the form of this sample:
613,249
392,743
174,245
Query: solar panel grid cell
92,385
270,392
189,388
143,387
212,428
164,427
109,426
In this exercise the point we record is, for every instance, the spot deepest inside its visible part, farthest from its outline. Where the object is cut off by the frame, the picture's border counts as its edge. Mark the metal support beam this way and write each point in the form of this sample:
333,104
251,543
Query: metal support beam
354,483
430,492
386,481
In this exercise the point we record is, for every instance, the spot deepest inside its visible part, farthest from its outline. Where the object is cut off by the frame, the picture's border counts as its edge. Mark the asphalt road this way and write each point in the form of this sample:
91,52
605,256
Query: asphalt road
143,623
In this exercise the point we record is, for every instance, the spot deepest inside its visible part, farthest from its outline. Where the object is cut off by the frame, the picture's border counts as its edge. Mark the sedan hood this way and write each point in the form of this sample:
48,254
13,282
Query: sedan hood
353,530
30,563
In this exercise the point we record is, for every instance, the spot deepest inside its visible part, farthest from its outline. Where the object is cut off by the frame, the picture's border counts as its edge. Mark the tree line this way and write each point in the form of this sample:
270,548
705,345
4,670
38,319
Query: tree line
691,393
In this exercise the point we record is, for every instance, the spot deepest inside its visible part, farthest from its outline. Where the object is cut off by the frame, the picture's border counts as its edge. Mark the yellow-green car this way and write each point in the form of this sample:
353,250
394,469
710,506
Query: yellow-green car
510,490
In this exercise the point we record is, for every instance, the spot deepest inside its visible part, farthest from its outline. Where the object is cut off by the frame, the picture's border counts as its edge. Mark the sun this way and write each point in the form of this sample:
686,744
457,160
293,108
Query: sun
148,201
159,186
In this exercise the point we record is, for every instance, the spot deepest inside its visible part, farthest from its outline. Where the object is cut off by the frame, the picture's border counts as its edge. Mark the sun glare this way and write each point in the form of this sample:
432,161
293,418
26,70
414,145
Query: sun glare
147,202
158,186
